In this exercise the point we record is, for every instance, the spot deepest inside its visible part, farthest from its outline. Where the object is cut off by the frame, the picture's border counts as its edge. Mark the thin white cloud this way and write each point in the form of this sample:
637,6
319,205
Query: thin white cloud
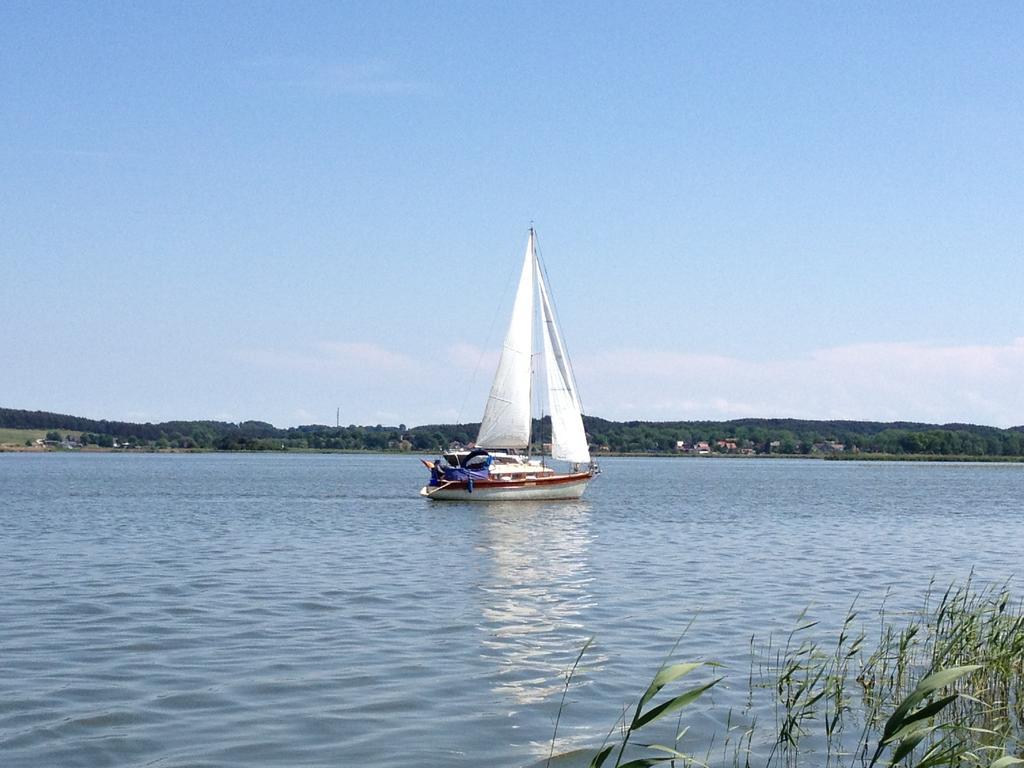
72,154
470,357
361,356
373,77
885,381
302,416
373,356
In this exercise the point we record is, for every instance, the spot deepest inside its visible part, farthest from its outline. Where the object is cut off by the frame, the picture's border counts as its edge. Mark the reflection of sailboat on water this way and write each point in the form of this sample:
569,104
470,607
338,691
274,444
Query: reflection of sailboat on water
496,470
535,597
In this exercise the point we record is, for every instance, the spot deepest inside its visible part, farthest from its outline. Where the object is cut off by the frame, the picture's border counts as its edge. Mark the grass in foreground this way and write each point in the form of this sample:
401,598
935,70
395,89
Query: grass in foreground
942,687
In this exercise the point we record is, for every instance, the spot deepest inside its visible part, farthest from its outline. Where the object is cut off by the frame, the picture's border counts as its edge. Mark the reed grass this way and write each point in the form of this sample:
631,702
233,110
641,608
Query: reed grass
940,686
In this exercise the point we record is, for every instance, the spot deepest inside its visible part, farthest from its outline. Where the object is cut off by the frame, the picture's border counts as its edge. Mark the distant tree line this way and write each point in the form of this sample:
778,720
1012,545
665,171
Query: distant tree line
798,436
760,436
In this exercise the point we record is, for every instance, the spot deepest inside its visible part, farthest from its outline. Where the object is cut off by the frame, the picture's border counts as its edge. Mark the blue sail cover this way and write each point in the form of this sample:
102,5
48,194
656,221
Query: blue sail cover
481,471
469,474
461,473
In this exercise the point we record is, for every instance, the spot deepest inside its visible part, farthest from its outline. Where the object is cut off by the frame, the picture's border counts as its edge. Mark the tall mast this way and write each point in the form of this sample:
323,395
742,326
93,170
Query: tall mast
533,259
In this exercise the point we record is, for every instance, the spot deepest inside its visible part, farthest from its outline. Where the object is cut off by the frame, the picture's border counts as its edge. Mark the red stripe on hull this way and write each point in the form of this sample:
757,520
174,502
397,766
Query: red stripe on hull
533,488
537,481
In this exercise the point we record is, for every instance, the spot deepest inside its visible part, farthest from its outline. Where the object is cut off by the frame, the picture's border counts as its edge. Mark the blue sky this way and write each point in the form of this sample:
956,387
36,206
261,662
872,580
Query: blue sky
271,210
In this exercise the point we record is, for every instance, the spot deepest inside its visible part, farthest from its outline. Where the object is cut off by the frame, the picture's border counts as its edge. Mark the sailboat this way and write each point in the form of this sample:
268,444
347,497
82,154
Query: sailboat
499,467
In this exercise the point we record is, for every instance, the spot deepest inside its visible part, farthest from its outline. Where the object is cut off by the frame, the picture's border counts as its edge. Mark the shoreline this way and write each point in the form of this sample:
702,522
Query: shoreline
862,456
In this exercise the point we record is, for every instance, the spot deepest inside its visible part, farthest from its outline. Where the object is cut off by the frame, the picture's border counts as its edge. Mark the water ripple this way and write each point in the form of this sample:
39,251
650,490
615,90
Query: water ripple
271,610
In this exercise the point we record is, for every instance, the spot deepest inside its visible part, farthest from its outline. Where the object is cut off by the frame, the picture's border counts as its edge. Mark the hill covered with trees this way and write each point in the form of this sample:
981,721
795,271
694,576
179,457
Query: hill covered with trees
745,436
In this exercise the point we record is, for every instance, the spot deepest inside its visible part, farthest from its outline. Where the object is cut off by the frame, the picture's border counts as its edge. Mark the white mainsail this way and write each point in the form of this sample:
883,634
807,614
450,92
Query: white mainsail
506,421
507,418
568,438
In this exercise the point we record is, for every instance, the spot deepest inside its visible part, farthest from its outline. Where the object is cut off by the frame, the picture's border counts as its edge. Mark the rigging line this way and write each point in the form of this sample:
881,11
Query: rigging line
538,394
558,321
535,358
487,342
539,362
535,390
541,335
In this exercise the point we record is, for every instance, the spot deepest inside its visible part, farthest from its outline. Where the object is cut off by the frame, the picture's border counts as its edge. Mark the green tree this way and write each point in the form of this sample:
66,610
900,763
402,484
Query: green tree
911,443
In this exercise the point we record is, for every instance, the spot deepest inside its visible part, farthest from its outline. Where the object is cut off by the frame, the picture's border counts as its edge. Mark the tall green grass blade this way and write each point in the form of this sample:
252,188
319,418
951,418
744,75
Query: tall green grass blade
665,676
925,688
909,742
565,690
675,753
926,712
673,704
950,754
601,756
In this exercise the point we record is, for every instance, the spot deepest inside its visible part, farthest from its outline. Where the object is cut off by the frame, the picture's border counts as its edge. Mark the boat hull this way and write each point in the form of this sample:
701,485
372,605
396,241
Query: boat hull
554,488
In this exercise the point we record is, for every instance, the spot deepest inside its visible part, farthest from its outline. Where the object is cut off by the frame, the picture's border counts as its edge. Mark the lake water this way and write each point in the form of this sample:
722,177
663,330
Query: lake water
269,610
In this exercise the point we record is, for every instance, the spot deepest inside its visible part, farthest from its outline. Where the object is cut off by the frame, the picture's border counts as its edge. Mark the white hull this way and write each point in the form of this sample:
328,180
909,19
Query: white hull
525,491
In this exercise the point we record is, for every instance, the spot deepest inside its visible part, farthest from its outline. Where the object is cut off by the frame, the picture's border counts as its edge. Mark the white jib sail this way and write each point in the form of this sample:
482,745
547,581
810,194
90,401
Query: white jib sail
506,421
568,438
